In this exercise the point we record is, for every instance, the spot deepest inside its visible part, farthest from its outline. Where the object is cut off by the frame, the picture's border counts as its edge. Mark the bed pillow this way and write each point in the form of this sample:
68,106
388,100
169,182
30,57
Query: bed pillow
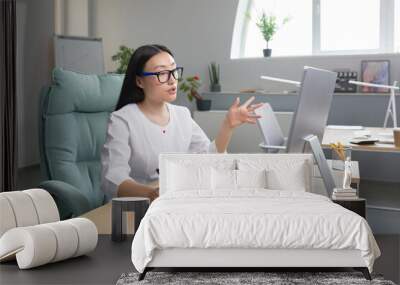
183,177
223,179
222,163
293,178
281,174
251,178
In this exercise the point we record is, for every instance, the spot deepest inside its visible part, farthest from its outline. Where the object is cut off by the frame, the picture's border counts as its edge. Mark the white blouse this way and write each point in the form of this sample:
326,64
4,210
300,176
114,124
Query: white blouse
134,142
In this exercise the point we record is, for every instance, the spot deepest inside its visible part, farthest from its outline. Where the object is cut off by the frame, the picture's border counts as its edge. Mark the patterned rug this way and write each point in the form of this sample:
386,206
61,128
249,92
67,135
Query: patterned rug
243,278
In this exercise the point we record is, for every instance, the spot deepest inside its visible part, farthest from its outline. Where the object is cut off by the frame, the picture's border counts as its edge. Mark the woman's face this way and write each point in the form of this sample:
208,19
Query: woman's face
153,89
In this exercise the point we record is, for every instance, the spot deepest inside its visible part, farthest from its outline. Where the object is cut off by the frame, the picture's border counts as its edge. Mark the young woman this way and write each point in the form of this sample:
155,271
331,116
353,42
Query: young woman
145,124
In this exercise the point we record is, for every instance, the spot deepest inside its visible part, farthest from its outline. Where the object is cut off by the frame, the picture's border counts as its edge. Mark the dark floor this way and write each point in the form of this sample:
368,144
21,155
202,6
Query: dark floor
110,260
389,262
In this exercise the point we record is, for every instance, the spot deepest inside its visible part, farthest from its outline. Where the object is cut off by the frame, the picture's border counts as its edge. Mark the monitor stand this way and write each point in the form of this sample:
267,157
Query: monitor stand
319,156
272,148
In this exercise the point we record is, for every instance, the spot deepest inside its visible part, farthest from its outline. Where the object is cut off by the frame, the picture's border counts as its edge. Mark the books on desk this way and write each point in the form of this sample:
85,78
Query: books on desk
344,194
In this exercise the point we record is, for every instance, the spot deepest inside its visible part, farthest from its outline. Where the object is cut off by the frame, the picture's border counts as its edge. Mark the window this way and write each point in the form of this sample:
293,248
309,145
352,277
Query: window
397,27
344,26
320,27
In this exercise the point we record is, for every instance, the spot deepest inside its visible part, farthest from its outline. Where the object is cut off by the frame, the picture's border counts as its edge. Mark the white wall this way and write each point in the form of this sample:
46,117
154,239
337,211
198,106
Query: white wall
76,23
196,31
199,32
107,22
72,17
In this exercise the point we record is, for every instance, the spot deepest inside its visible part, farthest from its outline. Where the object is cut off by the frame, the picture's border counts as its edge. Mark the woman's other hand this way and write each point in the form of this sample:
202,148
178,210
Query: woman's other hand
237,115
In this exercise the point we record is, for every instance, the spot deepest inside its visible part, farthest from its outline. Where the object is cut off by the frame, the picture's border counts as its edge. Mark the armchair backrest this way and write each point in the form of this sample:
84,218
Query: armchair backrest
73,122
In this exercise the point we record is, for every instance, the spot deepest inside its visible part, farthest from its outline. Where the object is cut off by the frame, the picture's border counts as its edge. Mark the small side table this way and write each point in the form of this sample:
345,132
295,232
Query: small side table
139,205
355,205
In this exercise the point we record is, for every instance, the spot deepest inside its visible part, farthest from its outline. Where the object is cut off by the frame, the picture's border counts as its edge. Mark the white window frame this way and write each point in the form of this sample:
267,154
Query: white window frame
386,31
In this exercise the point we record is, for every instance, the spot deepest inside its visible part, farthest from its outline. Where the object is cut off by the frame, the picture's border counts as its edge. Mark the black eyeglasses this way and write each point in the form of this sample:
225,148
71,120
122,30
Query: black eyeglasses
165,75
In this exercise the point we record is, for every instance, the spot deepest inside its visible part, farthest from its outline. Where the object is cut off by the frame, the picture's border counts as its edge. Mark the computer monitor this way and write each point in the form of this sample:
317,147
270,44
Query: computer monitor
314,102
310,116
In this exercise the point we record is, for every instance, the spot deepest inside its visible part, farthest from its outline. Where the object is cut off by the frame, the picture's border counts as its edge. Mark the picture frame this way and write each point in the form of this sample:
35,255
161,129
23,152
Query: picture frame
376,72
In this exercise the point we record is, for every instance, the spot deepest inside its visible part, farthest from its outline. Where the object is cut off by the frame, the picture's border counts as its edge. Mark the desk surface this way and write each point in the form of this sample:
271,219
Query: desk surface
344,136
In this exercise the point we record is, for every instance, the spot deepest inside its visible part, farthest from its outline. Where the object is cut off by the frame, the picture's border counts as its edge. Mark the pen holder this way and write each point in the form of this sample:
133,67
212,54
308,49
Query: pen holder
339,157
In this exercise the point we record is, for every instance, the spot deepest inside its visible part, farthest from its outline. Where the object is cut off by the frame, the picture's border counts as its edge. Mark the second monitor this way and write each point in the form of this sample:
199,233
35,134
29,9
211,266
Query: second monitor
310,117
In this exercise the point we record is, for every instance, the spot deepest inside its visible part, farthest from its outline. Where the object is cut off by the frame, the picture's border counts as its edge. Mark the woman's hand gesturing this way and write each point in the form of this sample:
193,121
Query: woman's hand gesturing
238,115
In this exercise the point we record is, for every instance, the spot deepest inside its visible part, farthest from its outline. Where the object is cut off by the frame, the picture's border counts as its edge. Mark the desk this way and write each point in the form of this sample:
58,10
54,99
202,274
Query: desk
101,217
344,136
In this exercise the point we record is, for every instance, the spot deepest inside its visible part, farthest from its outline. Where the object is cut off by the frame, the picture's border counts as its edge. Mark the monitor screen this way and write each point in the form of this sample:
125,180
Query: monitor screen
311,115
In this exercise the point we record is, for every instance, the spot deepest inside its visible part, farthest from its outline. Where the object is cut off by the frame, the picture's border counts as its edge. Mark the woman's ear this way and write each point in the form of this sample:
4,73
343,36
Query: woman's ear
139,82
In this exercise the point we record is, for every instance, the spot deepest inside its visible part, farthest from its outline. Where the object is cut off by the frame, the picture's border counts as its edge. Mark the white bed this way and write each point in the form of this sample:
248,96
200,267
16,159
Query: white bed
213,226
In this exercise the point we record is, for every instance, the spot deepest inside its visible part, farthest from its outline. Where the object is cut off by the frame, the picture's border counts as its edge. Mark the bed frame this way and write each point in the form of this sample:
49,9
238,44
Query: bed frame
243,259
246,258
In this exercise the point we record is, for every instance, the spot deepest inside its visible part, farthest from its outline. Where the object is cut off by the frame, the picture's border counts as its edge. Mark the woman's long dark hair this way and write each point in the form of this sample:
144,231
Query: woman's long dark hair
130,92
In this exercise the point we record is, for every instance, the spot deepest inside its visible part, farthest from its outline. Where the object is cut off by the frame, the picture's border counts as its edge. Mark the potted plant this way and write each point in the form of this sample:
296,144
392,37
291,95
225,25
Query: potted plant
268,25
122,57
213,71
190,85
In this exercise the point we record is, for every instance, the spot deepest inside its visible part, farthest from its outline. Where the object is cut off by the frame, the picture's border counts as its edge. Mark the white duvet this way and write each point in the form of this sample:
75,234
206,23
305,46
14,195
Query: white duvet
252,218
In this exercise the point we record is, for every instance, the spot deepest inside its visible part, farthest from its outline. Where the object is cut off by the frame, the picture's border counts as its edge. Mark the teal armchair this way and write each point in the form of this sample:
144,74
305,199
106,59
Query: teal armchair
74,112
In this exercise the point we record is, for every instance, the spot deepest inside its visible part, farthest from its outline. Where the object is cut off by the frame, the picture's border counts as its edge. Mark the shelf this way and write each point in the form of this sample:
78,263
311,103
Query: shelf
235,93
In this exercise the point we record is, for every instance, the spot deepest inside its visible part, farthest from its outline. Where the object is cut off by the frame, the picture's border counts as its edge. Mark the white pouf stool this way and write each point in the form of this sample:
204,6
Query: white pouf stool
31,232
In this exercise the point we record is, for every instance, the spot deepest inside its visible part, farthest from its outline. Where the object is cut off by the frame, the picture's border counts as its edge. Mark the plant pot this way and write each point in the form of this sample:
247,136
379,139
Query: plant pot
267,52
203,105
215,88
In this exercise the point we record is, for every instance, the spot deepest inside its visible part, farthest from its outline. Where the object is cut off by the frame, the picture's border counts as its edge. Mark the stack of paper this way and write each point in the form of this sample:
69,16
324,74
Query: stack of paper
344,127
344,194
